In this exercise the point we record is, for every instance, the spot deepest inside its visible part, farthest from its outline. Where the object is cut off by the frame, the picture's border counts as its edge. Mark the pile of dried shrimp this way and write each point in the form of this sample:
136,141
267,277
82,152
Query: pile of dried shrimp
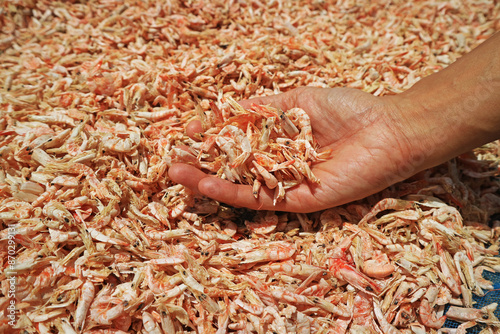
94,101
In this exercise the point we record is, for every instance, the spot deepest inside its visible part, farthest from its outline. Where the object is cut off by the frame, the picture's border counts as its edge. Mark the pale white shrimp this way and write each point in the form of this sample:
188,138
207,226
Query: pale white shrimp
210,235
279,193
165,235
157,115
160,212
96,235
86,296
150,324
300,270
58,211
268,127
189,280
484,314
55,117
288,127
117,144
269,179
263,224
41,315
251,308
105,316
66,181
428,316
301,118
386,204
58,236
76,203
480,280
385,326
273,251
284,295
466,272
231,140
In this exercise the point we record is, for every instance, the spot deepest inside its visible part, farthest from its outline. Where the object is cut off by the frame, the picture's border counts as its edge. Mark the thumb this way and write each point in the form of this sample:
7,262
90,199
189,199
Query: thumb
283,101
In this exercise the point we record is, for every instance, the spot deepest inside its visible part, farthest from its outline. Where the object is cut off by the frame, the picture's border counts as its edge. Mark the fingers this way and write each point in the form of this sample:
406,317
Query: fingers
186,175
297,200
237,194
193,128
284,101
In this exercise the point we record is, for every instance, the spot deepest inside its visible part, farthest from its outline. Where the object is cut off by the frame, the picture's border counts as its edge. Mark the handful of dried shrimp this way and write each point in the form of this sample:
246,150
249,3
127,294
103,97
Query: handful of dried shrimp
262,144
95,238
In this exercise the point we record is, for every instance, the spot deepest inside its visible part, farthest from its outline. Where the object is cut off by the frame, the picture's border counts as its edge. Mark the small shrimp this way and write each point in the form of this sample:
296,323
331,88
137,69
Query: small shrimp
210,235
480,280
86,296
120,145
363,310
158,115
160,212
251,308
268,127
165,235
287,124
385,326
378,266
301,118
65,181
284,295
269,179
58,211
104,316
158,286
231,140
466,272
58,236
273,251
330,218
446,269
405,316
444,296
339,309
386,204
301,270
263,224
319,289
150,325
55,117
484,314
342,270
96,235
76,203
428,316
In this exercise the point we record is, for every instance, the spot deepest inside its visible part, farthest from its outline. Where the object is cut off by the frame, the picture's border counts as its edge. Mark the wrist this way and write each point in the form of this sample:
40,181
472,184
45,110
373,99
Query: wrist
454,110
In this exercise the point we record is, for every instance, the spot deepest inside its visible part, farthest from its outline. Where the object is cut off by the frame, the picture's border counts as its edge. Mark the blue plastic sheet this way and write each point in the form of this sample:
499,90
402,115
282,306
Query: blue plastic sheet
492,296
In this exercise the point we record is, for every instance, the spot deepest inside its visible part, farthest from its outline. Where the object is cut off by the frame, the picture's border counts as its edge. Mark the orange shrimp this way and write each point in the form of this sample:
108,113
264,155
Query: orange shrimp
342,270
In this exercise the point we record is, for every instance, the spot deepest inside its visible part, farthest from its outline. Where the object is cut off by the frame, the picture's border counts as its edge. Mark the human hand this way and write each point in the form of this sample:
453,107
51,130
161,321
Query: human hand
367,136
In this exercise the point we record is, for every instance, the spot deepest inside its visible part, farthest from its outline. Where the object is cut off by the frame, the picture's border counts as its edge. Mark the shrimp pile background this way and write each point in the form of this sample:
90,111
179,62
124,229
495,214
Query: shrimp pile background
94,100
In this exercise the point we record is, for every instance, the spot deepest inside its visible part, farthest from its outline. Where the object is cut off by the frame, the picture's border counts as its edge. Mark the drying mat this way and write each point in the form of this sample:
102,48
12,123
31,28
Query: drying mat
492,296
